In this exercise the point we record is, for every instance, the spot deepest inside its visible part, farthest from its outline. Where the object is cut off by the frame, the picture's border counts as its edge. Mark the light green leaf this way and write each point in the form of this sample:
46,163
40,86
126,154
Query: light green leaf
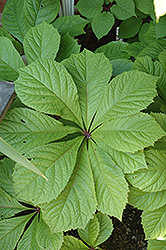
106,228
28,241
6,170
57,161
76,205
13,19
71,243
147,201
26,129
162,58
120,65
39,10
126,94
70,24
152,50
46,239
46,86
102,24
154,223
11,230
9,206
68,46
156,244
161,120
10,60
134,49
130,27
41,41
90,8
91,73
123,9
154,178
110,184
90,233
113,50
129,134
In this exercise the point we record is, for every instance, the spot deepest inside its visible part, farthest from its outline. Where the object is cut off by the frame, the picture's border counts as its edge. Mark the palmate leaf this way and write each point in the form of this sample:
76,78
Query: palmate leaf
129,134
126,94
76,205
41,41
71,243
6,170
91,73
46,86
110,184
57,161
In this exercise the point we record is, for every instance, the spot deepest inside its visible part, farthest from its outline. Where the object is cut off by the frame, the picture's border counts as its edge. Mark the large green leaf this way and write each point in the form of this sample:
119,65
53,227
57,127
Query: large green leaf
126,94
41,41
156,244
90,8
39,10
46,239
129,134
77,203
6,170
26,129
71,243
110,184
11,230
46,86
161,120
13,19
123,9
120,65
134,49
130,27
57,161
102,24
154,223
9,206
10,60
145,7
152,50
150,35
91,73
147,201
70,24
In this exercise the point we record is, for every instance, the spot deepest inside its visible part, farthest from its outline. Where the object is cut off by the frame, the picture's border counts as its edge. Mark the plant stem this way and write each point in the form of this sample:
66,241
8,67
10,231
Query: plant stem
106,2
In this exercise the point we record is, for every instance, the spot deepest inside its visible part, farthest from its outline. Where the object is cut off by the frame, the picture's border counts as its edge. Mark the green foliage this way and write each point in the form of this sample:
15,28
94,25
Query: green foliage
130,27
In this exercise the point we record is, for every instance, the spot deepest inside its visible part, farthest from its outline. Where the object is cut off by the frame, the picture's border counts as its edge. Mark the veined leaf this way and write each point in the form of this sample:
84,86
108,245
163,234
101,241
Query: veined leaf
156,244
11,230
39,10
77,203
57,161
90,233
46,86
10,60
150,35
134,49
123,9
9,206
71,243
91,73
129,134
46,239
126,94
154,223
120,65
41,41
147,201
152,50
162,59
90,8
110,184
6,170
161,120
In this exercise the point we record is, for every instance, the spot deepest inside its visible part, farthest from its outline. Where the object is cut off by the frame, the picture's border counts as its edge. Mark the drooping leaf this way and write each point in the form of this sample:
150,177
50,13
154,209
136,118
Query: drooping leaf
90,233
41,41
39,10
6,170
129,27
71,243
126,94
91,73
110,184
46,239
154,223
147,201
46,86
68,46
57,161
76,205
102,24
70,24
123,9
129,134
13,19
10,60
113,50
90,8
156,244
